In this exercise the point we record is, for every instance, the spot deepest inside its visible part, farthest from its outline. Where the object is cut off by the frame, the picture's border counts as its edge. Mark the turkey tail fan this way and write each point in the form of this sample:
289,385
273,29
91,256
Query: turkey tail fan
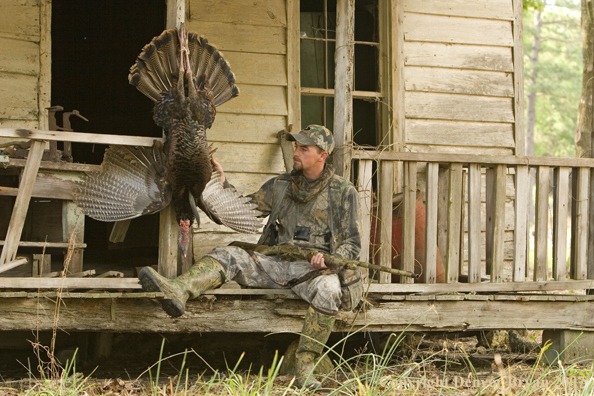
206,60
224,205
127,186
157,65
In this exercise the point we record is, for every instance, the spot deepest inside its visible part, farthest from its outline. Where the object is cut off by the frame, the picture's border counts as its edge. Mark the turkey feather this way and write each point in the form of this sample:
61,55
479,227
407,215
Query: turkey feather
187,78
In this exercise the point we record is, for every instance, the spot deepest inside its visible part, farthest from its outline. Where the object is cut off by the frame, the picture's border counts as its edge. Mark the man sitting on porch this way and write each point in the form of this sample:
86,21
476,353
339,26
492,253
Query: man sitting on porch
311,207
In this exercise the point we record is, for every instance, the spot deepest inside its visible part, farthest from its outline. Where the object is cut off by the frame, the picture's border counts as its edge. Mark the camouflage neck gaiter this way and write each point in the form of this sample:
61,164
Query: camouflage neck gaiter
303,189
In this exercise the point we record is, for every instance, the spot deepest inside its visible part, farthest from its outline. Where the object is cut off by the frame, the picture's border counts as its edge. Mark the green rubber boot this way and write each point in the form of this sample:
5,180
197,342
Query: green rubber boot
316,331
207,274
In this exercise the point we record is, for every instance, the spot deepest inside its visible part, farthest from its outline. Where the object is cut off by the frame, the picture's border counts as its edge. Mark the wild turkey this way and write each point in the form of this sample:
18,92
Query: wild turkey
187,78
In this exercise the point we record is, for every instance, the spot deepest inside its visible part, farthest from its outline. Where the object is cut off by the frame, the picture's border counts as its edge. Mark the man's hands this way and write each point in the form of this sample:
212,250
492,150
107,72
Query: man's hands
317,261
218,167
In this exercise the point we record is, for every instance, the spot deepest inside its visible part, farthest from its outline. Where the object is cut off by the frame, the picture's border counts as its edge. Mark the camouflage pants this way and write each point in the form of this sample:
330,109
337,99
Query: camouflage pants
323,293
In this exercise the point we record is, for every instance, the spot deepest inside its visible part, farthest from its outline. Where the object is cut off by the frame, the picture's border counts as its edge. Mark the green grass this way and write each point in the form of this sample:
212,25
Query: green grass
390,372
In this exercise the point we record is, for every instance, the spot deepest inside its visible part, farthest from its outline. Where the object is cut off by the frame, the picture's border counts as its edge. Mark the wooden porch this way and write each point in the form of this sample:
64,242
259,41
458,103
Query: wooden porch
476,212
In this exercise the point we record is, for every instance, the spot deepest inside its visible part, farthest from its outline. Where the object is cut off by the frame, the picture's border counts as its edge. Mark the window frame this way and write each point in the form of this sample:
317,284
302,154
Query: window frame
383,97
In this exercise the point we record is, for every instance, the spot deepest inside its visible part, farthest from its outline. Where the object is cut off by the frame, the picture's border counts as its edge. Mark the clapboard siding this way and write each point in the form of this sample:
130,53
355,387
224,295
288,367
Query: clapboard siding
250,68
458,76
477,57
20,20
432,79
19,63
455,133
253,38
246,128
18,96
441,149
250,157
492,9
24,124
19,56
257,99
243,38
262,13
248,183
445,29
458,107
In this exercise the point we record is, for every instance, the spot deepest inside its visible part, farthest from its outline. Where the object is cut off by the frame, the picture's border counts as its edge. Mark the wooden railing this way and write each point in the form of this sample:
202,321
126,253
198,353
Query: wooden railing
29,176
465,201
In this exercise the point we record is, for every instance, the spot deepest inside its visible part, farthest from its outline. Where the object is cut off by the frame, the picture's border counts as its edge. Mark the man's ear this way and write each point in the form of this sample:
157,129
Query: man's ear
323,156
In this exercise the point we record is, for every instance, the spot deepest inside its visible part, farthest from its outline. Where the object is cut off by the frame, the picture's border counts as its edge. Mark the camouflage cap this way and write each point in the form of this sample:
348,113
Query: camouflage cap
314,135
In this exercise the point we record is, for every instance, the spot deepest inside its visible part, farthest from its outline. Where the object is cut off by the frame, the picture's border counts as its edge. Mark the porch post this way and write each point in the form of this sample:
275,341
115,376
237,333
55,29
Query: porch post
343,86
170,264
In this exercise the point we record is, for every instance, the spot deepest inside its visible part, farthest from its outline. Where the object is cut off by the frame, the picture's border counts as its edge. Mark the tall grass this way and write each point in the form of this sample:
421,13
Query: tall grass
365,374
368,373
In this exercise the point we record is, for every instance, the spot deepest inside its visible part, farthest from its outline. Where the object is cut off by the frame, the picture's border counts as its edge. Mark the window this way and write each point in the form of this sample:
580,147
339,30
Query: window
317,46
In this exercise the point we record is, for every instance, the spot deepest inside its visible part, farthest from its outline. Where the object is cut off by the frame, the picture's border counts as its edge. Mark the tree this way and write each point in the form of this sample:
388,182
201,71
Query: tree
531,102
583,135
553,77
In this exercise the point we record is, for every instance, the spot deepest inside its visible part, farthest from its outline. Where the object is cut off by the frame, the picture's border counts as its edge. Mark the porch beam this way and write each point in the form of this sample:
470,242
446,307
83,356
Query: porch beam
344,84
266,315
78,137
518,54
484,159
132,285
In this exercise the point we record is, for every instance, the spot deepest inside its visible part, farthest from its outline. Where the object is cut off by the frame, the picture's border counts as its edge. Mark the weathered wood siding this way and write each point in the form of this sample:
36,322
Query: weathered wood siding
459,92
19,63
458,76
253,39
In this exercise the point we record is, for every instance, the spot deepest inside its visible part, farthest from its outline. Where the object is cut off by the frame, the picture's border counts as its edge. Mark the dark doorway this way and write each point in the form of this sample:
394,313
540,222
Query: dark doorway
94,43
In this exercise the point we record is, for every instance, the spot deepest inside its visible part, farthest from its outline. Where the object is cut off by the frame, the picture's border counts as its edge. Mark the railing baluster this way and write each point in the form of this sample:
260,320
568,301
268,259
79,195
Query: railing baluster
408,219
591,230
579,226
560,200
431,223
489,213
542,223
498,223
386,186
454,223
365,188
474,223
521,223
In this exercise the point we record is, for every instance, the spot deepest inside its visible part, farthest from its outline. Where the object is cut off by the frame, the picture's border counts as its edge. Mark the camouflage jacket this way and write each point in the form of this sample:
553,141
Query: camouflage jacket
329,222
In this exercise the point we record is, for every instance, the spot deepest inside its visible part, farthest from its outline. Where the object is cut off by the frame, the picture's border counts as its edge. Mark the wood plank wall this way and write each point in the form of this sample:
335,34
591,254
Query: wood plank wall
253,39
459,89
458,76
19,63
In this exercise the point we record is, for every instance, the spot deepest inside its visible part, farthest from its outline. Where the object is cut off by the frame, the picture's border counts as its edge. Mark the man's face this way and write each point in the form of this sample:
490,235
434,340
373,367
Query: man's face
306,157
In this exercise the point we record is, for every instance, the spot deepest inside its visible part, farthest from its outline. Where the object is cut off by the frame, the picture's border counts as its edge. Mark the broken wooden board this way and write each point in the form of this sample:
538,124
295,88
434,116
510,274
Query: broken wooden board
280,314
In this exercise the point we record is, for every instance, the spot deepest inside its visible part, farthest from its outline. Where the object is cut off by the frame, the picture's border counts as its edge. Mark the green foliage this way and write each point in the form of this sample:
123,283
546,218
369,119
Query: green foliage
559,74
533,5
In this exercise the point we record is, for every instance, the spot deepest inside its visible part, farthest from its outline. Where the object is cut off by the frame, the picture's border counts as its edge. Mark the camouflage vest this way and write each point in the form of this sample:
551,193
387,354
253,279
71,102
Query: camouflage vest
335,212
